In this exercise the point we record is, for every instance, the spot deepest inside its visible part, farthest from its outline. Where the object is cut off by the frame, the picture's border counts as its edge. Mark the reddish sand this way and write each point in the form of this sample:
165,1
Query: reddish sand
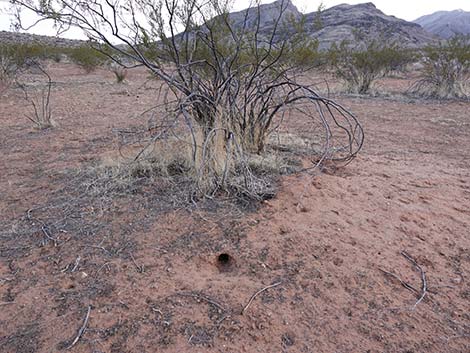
149,273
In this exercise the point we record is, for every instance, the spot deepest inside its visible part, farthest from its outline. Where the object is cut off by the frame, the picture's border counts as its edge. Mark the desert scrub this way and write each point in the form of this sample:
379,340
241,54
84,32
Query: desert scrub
119,71
38,95
8,65
13,57
360,65
86,57
446,72
226,87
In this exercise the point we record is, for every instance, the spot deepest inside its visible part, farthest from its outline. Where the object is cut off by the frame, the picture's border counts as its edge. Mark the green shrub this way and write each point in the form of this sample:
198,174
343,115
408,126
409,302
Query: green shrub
361,65
86,57
446,72
15,57
302,51
8,65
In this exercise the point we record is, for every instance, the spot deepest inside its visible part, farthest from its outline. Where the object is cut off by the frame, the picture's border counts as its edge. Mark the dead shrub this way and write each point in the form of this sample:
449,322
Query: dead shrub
37,94
120,72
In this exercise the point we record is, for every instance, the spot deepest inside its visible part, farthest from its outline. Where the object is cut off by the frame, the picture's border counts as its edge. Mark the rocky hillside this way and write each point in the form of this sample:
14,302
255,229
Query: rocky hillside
446,24
339,23
25,38
330,26
268,14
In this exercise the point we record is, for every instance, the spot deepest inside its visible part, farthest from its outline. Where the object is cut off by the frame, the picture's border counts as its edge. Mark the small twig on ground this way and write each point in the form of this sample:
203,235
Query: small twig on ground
103,266
256,294
98,247
424,287
204,298
6,303
403,283
5,280
140,269
82,329
77,261
48,236
219,323
44,227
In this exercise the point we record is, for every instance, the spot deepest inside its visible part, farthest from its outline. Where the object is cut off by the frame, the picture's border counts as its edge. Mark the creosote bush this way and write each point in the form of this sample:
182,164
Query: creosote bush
86,57
361,64
446,72
14,57
8,64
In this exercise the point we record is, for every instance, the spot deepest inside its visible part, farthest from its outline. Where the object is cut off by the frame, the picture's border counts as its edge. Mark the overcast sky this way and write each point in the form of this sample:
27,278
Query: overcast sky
405,9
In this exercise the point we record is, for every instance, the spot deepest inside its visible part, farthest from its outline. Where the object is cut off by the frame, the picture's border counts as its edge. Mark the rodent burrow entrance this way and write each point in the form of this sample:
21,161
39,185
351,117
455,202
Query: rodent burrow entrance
225,262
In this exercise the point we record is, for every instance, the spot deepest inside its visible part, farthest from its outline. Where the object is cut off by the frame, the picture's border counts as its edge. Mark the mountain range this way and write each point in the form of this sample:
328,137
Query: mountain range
337,23
446,24
341,22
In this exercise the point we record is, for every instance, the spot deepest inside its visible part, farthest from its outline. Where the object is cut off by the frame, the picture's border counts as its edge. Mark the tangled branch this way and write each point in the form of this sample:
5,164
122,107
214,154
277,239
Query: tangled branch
229,85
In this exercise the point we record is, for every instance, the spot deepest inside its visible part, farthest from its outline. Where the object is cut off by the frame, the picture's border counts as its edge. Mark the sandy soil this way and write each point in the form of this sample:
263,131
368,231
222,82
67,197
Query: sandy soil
332,245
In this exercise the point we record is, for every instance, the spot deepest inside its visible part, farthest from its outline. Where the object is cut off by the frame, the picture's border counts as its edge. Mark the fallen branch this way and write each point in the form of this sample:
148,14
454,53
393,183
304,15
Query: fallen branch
82,329
140,269
424,287
403,283
77,262
256,294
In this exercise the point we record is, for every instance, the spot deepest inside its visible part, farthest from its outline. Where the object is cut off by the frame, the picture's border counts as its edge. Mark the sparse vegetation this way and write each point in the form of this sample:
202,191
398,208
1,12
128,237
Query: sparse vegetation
232,85
161,217
318,23
13,57
446,72
17,60
86,57
119,71
38,95
360,64
8,65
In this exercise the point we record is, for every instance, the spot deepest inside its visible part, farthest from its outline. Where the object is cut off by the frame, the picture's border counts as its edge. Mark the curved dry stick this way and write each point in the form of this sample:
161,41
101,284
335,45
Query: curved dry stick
256,294
82,328
424,287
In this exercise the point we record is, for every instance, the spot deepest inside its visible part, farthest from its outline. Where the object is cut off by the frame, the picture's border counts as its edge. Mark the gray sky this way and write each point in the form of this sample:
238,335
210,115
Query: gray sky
405,9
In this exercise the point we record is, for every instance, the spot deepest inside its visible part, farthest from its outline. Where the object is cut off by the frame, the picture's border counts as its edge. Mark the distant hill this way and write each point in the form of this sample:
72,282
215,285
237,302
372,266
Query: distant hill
338,23
330,26
446,24
26,38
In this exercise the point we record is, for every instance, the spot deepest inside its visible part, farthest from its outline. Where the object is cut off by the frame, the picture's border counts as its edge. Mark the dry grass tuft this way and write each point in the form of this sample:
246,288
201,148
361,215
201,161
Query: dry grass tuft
214,162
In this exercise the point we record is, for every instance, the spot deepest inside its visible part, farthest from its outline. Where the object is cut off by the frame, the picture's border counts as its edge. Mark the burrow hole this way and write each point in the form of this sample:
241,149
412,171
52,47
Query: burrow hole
225,262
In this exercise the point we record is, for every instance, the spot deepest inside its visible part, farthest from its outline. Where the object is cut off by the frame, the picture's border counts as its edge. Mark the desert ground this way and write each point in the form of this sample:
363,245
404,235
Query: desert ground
337,261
